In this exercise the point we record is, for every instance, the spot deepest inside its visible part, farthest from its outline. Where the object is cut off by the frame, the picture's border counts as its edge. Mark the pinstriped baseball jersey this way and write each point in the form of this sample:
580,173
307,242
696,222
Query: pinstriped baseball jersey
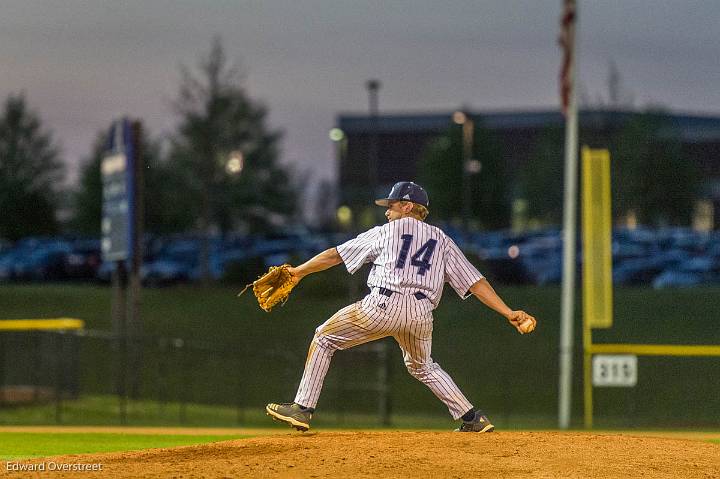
410,256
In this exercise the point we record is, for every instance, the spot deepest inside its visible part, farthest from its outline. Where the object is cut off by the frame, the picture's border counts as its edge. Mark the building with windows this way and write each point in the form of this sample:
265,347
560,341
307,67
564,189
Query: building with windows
399,140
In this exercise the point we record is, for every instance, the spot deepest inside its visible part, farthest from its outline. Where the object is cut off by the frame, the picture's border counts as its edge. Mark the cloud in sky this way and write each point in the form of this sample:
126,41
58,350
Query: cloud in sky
81,63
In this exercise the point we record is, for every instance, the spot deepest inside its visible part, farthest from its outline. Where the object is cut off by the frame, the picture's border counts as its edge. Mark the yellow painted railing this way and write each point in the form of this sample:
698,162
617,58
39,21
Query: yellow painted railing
655,349
41,324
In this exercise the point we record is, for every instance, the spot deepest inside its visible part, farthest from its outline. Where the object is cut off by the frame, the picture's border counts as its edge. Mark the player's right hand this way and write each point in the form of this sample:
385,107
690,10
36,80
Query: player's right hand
522,321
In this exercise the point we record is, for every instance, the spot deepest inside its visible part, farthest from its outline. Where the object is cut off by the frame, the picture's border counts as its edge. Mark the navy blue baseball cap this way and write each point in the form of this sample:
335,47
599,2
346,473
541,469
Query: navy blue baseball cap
405,191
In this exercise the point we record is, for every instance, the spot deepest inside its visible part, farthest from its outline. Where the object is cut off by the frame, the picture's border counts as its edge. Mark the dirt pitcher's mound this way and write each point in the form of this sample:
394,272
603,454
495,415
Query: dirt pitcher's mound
414,455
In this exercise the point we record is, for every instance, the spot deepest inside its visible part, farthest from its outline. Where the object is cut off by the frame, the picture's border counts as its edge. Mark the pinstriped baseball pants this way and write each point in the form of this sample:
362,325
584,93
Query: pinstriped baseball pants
375,317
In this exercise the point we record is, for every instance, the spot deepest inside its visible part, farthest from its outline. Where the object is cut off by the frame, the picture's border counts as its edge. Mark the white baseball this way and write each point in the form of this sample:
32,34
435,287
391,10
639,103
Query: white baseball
527,326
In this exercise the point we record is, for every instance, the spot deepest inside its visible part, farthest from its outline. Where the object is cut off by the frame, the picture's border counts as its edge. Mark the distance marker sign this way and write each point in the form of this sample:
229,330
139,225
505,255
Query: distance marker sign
614,370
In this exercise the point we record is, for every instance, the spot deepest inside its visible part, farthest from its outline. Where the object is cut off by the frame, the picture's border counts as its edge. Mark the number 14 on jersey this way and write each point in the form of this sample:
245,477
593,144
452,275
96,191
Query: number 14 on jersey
421,258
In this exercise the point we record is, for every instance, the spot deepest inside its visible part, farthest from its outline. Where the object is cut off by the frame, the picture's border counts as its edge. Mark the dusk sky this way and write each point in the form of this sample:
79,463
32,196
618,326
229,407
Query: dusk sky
83,63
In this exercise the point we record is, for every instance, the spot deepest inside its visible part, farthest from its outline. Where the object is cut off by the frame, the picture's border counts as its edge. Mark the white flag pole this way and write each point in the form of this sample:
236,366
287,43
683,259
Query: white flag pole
569,233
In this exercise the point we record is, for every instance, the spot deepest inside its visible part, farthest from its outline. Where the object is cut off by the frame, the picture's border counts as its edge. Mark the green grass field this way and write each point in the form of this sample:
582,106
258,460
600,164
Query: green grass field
512,376
25,445
103,411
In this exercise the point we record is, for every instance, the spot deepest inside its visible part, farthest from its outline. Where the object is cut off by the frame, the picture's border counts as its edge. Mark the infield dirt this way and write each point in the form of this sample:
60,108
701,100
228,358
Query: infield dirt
411,454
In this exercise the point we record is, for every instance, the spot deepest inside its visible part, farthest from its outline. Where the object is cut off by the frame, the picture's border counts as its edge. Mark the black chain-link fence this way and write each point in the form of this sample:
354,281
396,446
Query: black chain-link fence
59,367
97,377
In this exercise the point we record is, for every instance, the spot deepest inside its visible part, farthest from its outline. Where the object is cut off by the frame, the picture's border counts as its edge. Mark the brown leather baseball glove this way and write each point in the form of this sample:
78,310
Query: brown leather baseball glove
272,287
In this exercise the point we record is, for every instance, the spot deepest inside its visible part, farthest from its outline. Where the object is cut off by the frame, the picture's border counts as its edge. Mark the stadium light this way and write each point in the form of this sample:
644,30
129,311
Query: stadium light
235,162
336,134
344,216
470,166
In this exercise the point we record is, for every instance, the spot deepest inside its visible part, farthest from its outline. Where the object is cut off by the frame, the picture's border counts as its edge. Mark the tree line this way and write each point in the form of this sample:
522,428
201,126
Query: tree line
651,179
191,183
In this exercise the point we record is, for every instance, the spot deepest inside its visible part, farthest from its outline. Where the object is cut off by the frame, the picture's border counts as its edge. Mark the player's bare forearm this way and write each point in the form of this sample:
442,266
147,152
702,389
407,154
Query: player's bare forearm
320,262
520,320
487,295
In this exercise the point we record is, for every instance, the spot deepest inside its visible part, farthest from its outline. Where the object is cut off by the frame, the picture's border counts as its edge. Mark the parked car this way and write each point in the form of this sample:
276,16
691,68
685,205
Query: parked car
278,248
179,261
700,270
642,271
44,264
83,260
105,271
542,256
7,264
16,255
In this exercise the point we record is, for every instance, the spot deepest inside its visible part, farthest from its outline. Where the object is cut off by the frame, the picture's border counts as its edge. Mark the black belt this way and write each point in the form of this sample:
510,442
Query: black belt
389,292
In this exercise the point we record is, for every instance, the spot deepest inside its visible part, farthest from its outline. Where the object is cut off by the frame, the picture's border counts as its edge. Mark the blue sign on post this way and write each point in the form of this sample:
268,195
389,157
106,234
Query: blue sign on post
118,207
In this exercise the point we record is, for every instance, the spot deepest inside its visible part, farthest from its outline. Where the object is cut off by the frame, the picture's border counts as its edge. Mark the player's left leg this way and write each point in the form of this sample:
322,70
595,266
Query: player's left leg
415,341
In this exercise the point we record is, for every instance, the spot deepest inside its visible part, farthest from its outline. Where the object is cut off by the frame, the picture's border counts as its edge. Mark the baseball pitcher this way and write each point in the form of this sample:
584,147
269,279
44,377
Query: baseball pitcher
411,261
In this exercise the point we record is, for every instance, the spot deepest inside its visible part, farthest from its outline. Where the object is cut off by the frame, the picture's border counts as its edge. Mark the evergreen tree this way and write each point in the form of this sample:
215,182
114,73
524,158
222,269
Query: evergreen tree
30,173
219,120
87,198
